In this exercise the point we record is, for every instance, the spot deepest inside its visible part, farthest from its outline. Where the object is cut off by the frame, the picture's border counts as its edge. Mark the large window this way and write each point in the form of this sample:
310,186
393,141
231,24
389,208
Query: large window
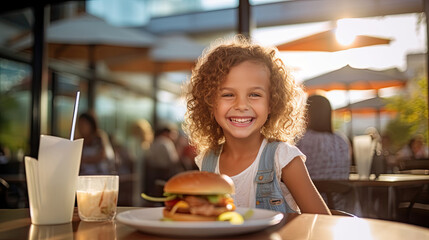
138,13
15,101
117,109
64,87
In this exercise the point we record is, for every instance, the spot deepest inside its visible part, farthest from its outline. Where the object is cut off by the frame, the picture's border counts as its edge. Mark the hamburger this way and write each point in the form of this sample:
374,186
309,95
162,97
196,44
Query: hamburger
196,196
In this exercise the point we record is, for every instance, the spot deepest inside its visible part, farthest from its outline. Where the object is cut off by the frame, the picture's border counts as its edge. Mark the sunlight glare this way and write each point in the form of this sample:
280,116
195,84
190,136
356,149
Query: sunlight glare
344,33
352,228
344,37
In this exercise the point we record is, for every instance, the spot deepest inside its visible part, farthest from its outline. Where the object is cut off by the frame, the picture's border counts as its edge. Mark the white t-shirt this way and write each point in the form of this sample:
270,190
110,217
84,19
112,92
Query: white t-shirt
245,186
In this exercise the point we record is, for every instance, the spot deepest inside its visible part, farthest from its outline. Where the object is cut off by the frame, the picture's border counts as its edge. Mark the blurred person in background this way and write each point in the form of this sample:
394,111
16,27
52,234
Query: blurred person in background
328,154
415,149
4,156
139,143
388,152
162,160
124,166
187,152
98,156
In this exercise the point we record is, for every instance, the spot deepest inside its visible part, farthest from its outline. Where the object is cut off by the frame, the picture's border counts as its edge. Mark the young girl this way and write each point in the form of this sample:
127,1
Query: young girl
244,114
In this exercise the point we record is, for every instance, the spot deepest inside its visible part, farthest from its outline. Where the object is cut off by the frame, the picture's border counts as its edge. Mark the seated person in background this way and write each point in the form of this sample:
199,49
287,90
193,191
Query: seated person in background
414,150
187,153
4,155
389,153
328,154
138,146
98,156
163,160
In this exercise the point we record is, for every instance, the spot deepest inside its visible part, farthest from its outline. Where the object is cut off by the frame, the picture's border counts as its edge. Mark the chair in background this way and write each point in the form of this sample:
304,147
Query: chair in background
419,209
414,164
340,196
329,188
4,187
415,210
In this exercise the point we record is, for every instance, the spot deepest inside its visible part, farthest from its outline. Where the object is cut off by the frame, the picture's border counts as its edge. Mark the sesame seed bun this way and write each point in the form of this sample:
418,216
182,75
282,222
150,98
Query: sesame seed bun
199,183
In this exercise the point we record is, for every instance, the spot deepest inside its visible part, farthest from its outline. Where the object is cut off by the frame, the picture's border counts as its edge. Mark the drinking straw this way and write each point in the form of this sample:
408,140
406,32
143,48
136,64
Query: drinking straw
76,105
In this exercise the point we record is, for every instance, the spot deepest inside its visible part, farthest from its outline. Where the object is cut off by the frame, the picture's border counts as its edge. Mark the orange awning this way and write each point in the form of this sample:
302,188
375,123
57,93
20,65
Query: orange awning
326,42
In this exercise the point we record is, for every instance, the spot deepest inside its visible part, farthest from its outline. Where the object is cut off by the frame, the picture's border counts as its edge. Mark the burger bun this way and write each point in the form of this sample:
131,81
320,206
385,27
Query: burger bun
199,183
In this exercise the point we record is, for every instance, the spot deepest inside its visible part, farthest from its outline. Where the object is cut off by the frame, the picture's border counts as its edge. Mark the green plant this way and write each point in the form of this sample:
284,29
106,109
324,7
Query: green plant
412,114
13,133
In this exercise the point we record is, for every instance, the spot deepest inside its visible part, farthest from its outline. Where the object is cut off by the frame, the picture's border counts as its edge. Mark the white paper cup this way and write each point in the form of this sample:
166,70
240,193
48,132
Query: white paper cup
52,180
97,197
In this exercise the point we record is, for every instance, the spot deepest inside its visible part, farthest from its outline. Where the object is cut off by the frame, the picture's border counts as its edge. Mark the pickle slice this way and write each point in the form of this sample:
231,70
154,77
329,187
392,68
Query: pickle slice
158,199
233,217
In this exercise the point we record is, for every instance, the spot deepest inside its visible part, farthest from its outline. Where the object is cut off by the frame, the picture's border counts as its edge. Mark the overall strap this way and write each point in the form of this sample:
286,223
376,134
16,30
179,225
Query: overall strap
209,162
268,191
267,156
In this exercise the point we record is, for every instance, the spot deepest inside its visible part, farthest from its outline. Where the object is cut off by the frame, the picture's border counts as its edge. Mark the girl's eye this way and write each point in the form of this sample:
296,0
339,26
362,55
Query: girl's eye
255,95
226,95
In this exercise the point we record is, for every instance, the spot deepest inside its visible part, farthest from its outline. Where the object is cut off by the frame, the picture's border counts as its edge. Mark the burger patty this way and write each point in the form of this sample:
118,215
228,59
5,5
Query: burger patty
208,210
201,206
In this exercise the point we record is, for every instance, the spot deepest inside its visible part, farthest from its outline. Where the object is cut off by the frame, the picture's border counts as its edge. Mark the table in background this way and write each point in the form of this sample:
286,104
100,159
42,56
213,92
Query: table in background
364,189
16,224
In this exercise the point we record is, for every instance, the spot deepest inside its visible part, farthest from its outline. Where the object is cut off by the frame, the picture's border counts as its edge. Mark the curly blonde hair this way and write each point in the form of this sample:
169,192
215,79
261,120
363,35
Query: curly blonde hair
287,104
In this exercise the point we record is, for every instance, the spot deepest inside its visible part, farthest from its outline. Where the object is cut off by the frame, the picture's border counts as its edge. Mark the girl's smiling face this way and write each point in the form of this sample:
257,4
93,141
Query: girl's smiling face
242,104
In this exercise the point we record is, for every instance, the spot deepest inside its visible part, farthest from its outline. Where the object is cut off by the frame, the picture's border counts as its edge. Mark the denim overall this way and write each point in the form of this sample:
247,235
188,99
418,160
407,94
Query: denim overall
268,192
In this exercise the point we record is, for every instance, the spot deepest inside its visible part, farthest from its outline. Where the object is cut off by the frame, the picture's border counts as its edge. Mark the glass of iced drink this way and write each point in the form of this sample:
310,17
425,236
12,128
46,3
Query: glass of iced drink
97,197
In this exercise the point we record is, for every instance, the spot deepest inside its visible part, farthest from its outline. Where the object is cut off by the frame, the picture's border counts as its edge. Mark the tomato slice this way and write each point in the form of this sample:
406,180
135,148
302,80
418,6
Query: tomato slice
171,203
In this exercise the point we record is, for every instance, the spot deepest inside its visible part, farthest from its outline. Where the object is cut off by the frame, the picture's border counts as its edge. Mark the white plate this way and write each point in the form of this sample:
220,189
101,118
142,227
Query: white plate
149,220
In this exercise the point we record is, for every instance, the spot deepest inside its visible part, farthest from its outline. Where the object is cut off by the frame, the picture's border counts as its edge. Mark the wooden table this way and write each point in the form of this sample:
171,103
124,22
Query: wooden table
16,224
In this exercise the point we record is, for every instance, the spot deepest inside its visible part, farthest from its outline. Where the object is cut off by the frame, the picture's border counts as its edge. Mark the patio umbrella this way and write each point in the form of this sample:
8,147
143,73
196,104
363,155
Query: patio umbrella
171,53
349,78
90,39
375,105
87,37
326,42
370,105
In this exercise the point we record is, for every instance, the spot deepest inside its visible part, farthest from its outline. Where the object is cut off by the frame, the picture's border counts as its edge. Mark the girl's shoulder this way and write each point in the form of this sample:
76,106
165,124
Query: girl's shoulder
286,152
283,145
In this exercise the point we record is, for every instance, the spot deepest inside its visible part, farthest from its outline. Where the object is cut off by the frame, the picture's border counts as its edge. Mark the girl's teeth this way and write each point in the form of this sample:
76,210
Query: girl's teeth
241,120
